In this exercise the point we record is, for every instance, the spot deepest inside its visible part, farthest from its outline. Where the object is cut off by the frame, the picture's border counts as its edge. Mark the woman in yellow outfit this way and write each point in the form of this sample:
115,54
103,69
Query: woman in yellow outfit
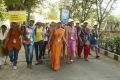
38,42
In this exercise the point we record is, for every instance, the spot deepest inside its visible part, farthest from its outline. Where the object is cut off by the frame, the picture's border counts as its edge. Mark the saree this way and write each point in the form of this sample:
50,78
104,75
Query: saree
56,47
65,52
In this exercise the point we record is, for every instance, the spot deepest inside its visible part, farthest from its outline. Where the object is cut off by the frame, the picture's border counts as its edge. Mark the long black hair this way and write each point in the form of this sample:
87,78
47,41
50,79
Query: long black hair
3,26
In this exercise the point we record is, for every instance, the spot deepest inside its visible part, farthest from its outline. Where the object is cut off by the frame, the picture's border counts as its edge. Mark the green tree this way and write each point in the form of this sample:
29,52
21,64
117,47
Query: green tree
79,9
27,5
14,5
113,21
3,12
82,9
103,9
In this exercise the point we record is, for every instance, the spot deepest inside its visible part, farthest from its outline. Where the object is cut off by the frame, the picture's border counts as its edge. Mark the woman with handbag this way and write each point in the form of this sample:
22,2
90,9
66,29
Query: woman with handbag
84,37
28,42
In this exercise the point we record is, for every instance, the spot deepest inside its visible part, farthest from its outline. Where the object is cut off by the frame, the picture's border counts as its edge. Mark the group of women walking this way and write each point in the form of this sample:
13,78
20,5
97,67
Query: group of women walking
58,39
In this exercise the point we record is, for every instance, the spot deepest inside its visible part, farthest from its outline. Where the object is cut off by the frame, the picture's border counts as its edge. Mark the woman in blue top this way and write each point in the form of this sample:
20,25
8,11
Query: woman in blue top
94,40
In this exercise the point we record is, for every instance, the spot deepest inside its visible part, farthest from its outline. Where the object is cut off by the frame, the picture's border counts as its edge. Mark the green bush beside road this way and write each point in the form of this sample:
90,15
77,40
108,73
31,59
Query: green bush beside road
111,44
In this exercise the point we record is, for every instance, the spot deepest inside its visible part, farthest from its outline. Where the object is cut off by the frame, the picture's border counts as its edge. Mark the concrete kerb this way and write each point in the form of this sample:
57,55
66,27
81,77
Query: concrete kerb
110,54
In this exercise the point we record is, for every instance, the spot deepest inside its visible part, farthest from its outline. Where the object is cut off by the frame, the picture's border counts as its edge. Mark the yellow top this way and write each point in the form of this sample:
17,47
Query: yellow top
39,36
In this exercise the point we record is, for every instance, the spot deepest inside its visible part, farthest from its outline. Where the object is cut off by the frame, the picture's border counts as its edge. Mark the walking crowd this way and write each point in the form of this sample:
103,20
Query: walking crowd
55,39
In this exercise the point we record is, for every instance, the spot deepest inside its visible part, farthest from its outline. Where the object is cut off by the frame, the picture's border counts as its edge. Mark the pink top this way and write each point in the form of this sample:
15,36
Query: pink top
72,33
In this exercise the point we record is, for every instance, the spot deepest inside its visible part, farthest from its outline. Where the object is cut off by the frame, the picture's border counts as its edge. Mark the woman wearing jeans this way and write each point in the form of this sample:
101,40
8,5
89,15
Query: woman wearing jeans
28,42
45,36
38,42
13,44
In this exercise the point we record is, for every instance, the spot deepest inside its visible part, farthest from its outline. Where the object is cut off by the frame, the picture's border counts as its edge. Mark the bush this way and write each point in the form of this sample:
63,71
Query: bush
111,44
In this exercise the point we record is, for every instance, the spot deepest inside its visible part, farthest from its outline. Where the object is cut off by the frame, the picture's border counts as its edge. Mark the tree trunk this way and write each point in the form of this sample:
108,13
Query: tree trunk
28,17
100,23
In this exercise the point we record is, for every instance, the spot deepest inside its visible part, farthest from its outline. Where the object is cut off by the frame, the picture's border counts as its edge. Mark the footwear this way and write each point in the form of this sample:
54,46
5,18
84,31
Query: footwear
79,57
68,62
40,61
5,63
37,63
11,63
30,66
55,70
43,57
14,67
97,57
71,61
0,66
86,59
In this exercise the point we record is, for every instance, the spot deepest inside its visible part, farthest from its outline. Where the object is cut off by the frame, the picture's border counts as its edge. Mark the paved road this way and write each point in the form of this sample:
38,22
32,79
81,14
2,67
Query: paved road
102,69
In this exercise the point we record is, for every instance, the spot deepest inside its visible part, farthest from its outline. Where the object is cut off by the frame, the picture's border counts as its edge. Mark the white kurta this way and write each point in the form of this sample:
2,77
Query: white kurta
2,37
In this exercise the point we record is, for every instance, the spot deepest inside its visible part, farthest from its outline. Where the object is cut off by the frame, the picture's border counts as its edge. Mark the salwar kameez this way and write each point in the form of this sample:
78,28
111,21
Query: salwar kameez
72,38
94,42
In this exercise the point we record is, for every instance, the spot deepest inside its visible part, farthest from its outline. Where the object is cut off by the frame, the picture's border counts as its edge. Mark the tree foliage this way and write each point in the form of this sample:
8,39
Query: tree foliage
111,19
21,4
91,10
82,9
3,12
27,5
14,4
79,9
103,8
113,22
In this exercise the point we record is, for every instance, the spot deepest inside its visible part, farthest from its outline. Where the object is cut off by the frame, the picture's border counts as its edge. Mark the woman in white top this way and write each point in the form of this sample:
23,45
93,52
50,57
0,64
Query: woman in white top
45,38
3,34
